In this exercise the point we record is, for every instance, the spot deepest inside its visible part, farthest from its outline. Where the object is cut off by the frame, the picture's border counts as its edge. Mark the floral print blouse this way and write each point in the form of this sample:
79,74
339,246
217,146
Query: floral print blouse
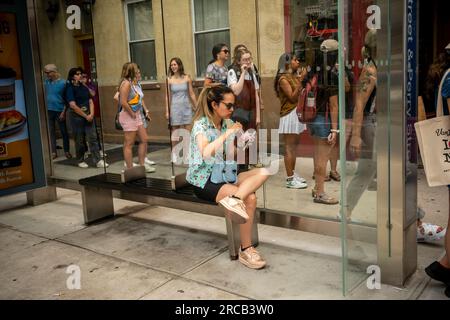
200,169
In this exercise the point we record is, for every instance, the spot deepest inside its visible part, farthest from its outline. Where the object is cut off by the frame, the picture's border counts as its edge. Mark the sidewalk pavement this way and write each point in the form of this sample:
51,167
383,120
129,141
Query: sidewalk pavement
149,252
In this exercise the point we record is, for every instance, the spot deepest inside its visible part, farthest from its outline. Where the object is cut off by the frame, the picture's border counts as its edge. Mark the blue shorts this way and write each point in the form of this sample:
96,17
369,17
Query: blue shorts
320,127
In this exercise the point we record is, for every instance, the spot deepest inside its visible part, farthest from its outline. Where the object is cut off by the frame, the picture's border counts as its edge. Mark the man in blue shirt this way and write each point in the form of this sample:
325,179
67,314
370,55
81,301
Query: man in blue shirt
56,108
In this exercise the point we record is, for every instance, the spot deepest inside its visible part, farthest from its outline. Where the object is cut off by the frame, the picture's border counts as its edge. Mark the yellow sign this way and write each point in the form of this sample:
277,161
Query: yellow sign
15,157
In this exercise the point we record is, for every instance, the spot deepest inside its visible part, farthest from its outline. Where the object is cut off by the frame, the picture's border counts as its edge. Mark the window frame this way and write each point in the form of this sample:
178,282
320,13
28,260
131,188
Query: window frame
195,33
129,41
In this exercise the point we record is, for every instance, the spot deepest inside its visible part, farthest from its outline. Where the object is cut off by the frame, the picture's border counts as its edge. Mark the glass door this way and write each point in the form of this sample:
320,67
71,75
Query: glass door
364,91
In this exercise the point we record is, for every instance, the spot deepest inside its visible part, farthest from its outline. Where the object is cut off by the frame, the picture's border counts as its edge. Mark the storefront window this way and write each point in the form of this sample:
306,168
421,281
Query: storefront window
211,27
142,37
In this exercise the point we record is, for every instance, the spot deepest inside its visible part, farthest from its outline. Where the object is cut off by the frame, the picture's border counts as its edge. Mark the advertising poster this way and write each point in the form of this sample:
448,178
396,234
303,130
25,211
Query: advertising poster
16,167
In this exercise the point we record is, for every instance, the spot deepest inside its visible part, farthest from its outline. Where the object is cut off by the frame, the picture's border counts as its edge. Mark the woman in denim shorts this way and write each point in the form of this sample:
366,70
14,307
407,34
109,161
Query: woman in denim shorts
324,128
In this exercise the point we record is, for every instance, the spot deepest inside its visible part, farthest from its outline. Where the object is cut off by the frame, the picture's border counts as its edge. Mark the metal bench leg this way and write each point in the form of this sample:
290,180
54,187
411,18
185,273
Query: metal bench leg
234,239
97,204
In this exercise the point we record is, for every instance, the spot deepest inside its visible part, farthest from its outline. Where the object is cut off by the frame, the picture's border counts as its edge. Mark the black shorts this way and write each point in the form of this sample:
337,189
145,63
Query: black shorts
209,192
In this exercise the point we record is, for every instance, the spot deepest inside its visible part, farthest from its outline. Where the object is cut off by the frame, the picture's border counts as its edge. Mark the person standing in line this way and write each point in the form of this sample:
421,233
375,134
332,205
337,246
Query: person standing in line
85,81
131,102
179,108
324,127
245,87
56,108
287,87
216,72
82,117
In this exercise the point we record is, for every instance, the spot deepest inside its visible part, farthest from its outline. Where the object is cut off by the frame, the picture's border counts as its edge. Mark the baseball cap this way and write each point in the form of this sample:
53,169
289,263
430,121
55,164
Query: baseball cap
50,67
329,45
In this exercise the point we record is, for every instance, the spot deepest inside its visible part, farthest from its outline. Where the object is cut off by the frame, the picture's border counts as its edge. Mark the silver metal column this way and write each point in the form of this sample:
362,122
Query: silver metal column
397,247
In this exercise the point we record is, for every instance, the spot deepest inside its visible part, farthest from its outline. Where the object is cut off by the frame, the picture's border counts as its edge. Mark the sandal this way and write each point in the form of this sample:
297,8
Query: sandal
335,176
325,199
428,232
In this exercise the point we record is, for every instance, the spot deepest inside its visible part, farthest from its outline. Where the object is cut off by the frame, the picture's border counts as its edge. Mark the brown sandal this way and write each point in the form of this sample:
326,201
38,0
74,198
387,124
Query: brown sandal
325,199
335,176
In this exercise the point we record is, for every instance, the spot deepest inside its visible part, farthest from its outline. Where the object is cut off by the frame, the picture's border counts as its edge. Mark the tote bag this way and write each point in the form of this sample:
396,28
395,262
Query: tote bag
433,136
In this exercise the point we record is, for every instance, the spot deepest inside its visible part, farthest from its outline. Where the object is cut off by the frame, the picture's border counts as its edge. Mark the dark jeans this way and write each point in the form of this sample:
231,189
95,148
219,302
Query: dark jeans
53,116
84,131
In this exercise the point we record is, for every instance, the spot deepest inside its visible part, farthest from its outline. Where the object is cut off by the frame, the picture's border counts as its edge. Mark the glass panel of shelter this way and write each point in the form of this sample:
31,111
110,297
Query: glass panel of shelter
71,88
313,24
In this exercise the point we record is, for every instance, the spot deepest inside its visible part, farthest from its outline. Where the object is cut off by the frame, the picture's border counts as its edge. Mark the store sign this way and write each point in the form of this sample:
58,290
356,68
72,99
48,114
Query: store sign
411,79
16,167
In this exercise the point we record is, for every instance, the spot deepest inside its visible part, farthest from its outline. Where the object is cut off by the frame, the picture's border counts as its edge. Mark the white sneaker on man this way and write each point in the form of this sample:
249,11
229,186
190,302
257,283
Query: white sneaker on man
83,165
102,164
149,162
149,169
237,207
298,178
293,183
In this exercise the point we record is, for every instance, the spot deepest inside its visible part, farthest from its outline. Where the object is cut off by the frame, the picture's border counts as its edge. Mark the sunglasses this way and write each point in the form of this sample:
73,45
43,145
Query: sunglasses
228,105
226,51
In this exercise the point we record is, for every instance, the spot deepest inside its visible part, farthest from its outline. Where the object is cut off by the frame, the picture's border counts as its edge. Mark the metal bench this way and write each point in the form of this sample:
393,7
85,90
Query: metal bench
98,192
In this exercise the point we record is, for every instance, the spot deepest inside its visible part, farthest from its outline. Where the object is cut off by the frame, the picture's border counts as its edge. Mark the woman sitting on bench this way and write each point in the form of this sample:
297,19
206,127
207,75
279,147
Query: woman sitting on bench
216,180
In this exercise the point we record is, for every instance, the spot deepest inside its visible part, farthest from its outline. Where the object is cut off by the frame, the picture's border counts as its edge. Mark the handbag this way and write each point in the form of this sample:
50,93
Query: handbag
433,136
307,104
242,116
224,172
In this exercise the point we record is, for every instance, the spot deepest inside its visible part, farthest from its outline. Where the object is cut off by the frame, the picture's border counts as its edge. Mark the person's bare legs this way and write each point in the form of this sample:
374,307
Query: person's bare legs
142,149
322,154
175,138
129,137
290,145
334,156
250,181
250,207
445,261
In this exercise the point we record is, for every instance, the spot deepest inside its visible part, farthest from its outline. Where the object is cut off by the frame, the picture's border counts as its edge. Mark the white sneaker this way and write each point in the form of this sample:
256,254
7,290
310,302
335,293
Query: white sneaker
293,183
149,162
237,207
149,169
83,165
102,154
134,164
298,178
102,164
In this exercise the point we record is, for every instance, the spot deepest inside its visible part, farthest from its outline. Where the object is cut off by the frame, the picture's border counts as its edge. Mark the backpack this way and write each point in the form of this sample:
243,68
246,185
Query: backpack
307,101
